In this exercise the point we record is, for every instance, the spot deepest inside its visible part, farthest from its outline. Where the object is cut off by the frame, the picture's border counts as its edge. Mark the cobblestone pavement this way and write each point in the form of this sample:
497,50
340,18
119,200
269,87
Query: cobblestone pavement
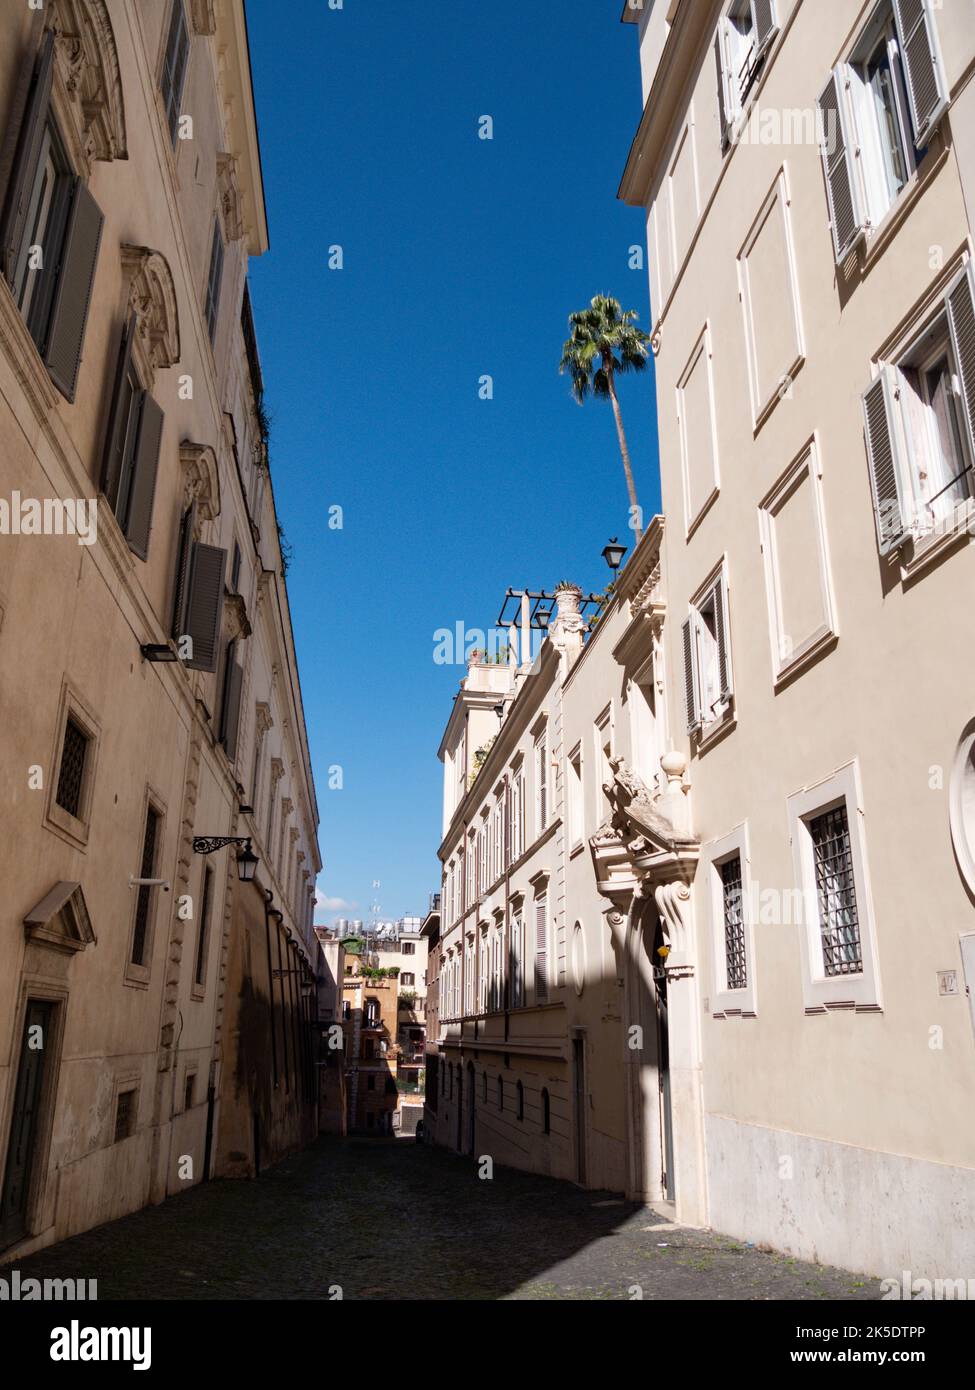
387,1219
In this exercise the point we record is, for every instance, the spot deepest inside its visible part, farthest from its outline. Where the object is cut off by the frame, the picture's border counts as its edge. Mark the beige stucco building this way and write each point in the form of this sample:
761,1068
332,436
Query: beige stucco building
149,683
708,912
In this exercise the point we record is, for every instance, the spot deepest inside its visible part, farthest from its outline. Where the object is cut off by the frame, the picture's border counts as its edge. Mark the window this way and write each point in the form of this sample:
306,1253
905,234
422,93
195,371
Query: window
517,960
214,278
546,1112
517,813
576,803
174,67
235,570
233,679
541,782
188,1087
839,923
370,1083
541,948
743,40
878,112
132,445
71,776
468,975
125,1114
500,1093
499,864
50,234
470,869
141,933
198,601
203,932
603,745
484,973
797,579
482,878
736,968
408,948
837,940
520,1101
919,415
707,658
698,432
729,898
406,978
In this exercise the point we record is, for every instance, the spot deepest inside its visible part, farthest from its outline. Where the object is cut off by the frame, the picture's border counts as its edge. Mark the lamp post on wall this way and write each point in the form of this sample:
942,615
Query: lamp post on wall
247,860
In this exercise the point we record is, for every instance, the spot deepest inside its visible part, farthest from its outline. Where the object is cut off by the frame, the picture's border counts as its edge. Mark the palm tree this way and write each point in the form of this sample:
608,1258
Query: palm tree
605,341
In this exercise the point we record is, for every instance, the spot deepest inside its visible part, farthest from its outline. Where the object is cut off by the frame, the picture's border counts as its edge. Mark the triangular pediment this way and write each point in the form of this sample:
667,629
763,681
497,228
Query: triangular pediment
61,920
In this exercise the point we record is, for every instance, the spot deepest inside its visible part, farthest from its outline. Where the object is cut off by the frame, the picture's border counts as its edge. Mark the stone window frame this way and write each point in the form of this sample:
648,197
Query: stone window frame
807,462
135,975
703,344
821,993
729,1003
73,829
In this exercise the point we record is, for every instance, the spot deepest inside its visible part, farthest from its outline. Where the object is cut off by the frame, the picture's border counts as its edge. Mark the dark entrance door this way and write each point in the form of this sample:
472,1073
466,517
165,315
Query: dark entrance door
22,1146
471,1109
579,1086
663,1069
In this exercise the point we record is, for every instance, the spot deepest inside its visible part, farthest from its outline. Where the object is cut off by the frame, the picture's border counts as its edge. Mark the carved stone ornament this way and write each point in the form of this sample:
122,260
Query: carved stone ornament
201,479
634,814
237,623
263,718
203,15
231,199
88,82
151,296
60,920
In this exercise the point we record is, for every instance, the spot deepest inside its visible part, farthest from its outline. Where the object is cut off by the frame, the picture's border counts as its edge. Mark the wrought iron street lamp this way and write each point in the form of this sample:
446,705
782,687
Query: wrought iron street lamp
613,555
247,860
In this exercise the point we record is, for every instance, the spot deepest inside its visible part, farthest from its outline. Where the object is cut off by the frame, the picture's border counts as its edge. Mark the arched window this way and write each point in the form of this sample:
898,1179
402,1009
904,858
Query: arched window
500,1094
520,1092
546,1113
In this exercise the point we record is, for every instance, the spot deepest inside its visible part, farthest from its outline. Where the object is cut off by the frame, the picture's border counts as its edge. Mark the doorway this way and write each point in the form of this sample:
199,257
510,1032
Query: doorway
579,1089
663,1067
22,1147
471,1110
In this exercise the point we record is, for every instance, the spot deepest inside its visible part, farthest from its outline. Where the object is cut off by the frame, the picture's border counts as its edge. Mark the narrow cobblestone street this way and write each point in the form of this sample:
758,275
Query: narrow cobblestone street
387,1219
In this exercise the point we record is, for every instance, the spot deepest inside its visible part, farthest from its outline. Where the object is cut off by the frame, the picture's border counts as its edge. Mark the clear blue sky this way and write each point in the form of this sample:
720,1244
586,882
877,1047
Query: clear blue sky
463,257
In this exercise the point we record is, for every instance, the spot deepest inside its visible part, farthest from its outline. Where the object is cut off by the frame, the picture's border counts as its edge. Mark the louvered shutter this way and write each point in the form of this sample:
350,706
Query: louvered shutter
722,637
145,465
13,228
208,565
927,87
837,148
961,318
231,710
765,25
118,417
692,699
72,294
181,589
541,948
884,457
724,115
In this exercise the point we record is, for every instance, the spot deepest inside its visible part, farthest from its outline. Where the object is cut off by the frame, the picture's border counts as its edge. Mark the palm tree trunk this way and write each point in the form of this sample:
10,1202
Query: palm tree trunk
627,466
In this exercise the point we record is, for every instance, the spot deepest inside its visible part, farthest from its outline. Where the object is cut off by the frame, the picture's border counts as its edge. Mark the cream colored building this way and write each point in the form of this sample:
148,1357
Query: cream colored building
149,685
807,174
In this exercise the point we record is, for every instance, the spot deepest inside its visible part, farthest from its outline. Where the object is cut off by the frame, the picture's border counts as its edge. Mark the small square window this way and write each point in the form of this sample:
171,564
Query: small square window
190,1086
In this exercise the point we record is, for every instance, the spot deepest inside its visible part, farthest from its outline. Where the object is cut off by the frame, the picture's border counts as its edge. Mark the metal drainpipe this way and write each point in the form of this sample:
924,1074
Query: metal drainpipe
284,1021
506,850
268,899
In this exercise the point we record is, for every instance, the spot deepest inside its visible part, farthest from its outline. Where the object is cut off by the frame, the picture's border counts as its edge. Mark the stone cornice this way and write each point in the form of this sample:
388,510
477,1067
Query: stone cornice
151,295
201,482
88,83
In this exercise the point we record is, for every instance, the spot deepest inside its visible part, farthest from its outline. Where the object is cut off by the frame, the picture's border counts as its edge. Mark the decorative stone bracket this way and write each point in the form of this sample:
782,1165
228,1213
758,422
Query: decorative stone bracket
237,624
87,91
204,17
151,296
231,198
201,482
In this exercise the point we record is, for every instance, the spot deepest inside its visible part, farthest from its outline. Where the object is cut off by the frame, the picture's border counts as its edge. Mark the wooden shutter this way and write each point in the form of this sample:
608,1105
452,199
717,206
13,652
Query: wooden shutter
724,115
541,948
883,454
13,227
960,300
208,565
692,699
722,635
118,417
72,294
181,589
144,465
231,707
837,149
927,88
765,25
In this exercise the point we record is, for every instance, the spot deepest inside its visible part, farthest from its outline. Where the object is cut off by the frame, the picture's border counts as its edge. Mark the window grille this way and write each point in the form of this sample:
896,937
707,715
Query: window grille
145,892
734,926
839,923
72,774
